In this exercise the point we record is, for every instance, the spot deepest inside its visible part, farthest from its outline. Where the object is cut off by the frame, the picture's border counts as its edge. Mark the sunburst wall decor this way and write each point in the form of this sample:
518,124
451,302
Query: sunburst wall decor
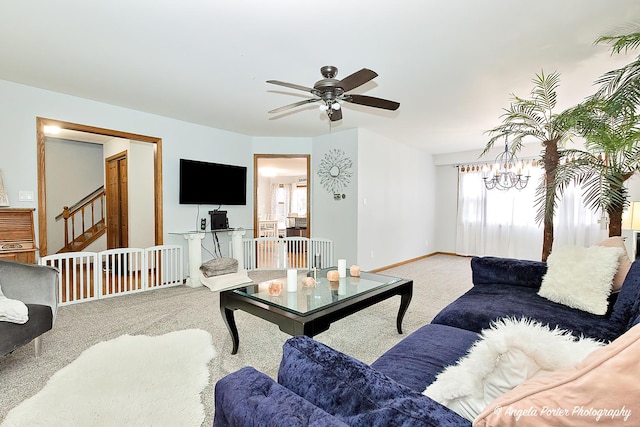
335,171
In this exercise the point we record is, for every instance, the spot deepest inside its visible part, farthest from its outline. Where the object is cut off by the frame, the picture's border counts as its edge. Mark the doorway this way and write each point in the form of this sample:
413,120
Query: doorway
282,195
151,171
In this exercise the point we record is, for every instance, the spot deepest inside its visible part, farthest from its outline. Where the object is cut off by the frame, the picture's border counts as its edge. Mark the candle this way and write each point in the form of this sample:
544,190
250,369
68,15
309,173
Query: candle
333,275
342,267
275,288
292,280
355,271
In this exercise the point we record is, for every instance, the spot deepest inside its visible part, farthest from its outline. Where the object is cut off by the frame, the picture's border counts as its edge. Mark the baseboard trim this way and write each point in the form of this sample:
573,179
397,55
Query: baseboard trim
378,270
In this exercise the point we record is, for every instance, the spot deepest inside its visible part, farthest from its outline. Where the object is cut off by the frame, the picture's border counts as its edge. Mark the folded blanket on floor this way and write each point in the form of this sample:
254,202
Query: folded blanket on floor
219,266
225,281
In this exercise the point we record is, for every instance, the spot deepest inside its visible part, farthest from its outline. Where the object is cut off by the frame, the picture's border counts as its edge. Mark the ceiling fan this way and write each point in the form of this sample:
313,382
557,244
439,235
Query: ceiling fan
331,91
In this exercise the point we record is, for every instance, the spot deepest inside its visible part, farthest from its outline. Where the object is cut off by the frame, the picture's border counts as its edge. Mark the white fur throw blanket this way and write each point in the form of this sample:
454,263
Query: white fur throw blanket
12,310
508,353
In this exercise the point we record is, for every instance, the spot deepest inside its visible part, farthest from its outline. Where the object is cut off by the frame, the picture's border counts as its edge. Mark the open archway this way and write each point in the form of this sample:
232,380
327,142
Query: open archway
42,184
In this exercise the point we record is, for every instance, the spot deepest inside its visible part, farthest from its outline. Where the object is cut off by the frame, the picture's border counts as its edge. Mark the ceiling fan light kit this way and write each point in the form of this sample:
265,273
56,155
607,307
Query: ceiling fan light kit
331,92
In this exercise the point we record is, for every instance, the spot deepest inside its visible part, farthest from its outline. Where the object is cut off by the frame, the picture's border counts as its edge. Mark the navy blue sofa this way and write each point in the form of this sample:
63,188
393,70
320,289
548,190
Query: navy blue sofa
504,287
319,386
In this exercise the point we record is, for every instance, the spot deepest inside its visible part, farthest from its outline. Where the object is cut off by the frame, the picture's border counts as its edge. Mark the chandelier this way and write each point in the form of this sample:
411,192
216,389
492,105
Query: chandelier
506,172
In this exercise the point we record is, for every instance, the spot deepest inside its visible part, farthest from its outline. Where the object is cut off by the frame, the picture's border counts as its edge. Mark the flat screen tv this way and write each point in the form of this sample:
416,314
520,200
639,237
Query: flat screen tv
205,183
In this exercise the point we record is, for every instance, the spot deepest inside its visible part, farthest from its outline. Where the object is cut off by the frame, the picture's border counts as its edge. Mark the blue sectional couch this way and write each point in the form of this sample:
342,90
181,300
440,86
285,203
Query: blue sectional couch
504,287
319,386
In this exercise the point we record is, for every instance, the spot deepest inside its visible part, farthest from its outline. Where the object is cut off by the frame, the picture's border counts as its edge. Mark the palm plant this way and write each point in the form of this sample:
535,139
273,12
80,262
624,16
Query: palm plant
622,85
609,124
535,118
610,158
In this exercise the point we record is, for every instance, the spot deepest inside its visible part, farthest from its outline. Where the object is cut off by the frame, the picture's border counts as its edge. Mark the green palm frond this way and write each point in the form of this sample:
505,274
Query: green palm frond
531,118
622,85
621,43
544,90
600,174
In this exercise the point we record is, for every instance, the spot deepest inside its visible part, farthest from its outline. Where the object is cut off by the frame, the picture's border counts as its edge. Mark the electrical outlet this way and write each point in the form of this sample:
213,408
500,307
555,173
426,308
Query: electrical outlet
203,224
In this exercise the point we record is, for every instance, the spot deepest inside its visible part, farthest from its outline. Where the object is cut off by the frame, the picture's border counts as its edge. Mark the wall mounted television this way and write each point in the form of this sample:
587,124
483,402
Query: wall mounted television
206,183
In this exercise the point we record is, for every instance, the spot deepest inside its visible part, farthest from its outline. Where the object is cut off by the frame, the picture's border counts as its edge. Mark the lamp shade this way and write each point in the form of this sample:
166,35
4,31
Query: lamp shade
631,218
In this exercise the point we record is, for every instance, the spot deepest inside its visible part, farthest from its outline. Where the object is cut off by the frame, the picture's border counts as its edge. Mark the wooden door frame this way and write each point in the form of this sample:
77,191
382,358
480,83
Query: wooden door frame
41,122
256,229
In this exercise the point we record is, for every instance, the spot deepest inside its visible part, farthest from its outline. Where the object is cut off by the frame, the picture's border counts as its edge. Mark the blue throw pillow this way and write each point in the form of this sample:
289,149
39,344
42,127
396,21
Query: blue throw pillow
627,306
353,391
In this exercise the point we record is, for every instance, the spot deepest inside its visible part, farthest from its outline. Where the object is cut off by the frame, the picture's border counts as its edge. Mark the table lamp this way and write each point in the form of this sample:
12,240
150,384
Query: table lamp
631,221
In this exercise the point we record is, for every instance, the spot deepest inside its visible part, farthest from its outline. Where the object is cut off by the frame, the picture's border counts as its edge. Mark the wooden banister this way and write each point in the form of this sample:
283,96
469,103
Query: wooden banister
97,223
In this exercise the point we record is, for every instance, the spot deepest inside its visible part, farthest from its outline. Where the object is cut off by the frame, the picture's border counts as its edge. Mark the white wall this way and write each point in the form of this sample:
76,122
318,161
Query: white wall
279,145
396,209
264,195
87,163
446,201
336,220
22,104
141,227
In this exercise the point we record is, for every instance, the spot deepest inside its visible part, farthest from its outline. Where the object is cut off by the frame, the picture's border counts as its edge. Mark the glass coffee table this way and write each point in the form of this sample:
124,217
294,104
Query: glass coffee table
311,310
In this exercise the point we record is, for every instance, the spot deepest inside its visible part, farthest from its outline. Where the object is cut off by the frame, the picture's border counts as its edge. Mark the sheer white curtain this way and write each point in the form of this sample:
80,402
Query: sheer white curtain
575,224
281,195
502,223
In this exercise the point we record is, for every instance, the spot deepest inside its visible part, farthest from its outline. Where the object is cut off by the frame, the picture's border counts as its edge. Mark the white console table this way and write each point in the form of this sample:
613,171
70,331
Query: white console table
195,251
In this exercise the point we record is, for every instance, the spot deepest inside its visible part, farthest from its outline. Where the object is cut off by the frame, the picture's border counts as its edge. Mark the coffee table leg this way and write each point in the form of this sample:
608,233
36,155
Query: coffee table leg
405,299
230,321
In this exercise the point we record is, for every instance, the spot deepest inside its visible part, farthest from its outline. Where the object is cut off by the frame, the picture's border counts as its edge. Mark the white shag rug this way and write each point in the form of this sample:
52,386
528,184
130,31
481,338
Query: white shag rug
128,381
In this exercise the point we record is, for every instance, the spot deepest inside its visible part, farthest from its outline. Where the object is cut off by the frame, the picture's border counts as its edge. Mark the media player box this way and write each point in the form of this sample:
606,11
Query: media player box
219,220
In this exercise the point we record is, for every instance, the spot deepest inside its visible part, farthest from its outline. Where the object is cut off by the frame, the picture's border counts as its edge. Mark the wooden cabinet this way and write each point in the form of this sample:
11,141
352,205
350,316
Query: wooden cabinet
17,235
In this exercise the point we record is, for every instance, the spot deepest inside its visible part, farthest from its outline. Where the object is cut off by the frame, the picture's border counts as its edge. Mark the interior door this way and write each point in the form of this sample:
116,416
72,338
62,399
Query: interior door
117,201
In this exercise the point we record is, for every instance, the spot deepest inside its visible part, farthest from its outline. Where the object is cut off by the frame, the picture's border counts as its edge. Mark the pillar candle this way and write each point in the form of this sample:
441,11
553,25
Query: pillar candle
292,280
342,267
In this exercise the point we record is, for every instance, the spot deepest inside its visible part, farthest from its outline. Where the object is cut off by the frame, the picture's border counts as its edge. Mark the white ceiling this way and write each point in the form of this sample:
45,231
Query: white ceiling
452,64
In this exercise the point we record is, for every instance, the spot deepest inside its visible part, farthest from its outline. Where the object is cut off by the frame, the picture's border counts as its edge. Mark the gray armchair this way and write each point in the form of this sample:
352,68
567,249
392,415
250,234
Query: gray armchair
36,286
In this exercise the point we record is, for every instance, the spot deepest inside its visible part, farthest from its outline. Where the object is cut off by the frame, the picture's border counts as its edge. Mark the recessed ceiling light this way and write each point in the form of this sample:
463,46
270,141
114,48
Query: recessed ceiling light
52,130
269,172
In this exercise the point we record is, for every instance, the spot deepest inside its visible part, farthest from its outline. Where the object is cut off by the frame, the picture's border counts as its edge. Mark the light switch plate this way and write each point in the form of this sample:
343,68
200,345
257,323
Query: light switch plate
25,196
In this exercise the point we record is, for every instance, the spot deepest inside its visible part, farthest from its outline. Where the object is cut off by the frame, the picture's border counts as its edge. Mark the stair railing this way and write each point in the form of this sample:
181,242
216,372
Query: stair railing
79,211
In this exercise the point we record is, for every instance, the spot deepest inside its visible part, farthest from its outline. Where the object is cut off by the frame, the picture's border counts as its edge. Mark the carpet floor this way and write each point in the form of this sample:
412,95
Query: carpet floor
438,280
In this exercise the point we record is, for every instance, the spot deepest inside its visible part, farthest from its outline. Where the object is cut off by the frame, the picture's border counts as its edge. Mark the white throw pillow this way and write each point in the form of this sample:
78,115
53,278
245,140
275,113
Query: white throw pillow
12,310
509,352
581,277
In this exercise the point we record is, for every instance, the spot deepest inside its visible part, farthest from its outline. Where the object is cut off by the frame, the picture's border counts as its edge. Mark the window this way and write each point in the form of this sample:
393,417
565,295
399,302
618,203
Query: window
502,223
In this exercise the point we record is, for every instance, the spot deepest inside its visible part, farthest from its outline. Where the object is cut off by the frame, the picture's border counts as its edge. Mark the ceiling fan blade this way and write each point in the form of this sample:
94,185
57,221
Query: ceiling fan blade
336,115
371,101
357,79
294,105
290,85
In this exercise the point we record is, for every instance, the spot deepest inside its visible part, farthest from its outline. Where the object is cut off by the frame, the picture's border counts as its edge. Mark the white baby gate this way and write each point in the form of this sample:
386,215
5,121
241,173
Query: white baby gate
86,276
268,253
